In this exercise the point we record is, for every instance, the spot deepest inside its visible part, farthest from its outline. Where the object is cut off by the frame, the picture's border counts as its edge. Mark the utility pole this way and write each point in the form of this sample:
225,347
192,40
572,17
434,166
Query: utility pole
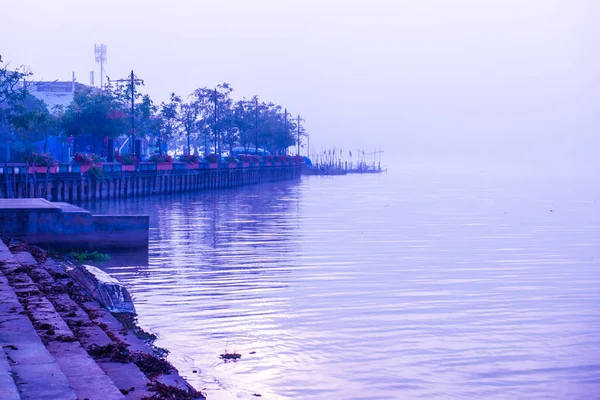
133,114
285,125
215,124
132,80
298,152
256,125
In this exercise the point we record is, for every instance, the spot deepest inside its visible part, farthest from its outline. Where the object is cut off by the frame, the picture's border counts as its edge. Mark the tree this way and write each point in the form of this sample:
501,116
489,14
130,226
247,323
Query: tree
276,130
203,98
216,119
95,112
188,118
168,121
226,124
13,91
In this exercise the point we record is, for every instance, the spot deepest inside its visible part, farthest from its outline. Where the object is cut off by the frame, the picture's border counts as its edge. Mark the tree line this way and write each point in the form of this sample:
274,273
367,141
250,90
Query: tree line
208,120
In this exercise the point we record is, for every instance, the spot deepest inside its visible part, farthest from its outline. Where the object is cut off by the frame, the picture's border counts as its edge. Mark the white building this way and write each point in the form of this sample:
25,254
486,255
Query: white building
54,93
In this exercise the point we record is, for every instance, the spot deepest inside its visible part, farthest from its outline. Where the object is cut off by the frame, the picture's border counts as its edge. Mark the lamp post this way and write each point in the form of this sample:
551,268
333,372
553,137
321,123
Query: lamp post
133,81
69,141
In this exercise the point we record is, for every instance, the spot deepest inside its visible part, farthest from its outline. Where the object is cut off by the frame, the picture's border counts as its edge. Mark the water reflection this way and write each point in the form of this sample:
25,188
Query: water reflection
378,287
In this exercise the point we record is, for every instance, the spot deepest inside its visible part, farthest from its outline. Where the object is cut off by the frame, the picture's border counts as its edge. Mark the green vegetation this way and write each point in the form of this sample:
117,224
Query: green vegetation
209,120
81,256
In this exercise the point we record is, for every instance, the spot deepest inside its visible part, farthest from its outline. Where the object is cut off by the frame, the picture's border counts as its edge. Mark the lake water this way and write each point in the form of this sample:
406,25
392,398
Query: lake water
392,286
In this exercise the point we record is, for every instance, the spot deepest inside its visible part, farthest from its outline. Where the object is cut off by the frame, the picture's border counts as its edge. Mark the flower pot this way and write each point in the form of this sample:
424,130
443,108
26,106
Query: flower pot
164,166
193,165
245,165
128,167
278,164
232,165
213,165
267,164
42,170
85,168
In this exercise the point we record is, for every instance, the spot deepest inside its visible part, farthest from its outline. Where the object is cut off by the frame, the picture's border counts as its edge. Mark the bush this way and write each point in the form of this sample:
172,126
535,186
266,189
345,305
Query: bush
249,158
189,158
86,159
82,256
126,159
231,159
212,158
41,159
95,172
164,158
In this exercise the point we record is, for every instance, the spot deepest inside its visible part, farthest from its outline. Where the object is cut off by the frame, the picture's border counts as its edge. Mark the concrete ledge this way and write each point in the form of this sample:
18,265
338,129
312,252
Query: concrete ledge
63,225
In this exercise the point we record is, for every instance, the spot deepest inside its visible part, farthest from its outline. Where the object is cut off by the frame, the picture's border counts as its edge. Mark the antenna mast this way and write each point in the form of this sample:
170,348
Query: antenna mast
100,52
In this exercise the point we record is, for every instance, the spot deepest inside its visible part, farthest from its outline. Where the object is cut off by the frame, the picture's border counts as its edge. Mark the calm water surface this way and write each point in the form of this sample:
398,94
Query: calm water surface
377,287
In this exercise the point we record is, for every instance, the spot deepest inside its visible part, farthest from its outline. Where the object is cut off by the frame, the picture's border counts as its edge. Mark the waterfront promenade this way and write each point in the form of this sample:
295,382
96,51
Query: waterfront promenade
71,185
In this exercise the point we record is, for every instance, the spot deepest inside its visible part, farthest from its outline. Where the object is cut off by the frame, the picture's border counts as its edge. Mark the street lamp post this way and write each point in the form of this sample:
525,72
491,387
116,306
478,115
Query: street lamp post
132,80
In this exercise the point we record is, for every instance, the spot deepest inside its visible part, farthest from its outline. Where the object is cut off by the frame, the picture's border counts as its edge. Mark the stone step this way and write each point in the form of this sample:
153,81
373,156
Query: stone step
9,308
124,376
7,383
34,372
86,377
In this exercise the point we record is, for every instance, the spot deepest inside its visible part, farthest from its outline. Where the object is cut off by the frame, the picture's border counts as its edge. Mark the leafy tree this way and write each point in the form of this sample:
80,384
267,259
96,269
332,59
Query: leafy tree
188,118
168,121
244,119
13,92
95,112
216,118
205,122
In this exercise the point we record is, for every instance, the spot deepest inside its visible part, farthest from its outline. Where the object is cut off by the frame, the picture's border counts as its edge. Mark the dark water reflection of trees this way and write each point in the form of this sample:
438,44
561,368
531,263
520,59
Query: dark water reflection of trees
214,230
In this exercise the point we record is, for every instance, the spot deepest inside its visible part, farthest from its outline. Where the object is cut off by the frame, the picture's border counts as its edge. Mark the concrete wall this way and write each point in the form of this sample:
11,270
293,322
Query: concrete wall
62,225
77,186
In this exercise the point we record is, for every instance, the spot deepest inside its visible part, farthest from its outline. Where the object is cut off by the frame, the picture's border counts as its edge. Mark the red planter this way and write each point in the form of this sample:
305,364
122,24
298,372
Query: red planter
267,164
232,165
164,166
127,167
213,166
87,167
278,164
246,165
41,170
193,165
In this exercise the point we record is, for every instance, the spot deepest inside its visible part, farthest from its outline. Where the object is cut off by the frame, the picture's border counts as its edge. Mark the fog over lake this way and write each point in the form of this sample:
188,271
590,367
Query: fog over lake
470,270
498,84
393,286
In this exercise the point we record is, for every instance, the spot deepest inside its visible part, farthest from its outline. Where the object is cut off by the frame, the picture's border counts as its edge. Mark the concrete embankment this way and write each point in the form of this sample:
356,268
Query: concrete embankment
58,343
63,225
17,182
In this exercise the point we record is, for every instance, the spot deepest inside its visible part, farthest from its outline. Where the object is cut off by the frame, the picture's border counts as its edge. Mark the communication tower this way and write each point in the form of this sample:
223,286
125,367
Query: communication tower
100,52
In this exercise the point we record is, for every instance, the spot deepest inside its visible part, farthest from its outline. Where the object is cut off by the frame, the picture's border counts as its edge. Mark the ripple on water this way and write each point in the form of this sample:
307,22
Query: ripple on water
376,287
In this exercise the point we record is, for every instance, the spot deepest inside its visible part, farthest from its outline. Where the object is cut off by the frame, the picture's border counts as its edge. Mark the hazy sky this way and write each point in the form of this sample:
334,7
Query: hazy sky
510,81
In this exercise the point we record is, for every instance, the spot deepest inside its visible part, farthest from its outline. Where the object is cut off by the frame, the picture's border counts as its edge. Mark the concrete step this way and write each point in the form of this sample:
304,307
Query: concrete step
86,378
9,308
123,376
34,372
7,383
